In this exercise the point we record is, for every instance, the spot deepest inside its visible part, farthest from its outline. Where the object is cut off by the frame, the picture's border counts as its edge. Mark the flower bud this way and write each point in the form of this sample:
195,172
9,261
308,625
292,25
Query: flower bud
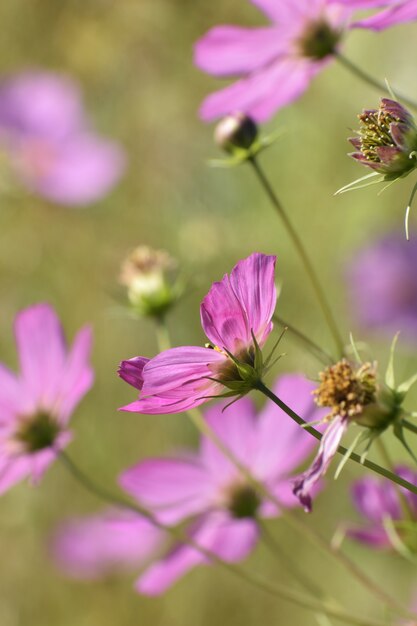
148,276
387,140
235,132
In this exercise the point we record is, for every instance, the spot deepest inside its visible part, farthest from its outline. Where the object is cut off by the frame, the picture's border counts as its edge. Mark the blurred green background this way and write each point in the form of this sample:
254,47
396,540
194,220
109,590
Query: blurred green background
133,59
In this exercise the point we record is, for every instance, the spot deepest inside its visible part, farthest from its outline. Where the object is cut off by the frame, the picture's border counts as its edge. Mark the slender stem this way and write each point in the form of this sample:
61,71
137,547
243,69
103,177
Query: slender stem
162,334
370,80
296,240
314,348
341,449
405,505
252,578
411,427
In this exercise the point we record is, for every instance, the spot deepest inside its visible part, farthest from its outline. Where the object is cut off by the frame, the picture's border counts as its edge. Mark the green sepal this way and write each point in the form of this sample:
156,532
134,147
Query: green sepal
241,155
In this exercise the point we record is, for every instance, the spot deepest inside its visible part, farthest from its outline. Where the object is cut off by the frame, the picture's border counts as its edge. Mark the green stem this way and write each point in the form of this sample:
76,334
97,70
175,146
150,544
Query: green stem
308,267
405,505
411,427
370,80
314,348
277,590
341,449
162,334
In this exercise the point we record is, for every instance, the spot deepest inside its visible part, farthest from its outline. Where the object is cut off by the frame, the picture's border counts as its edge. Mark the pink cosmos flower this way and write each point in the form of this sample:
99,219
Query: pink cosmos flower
275,64
206,490
93,547
236,312
36,405
51,148
379,503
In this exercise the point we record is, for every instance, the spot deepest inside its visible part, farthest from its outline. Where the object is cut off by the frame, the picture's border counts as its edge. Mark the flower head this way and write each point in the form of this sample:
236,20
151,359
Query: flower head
387,140
50,146
208,494
380,504
36,406
276,63
235,132
147,275
383,286
236,317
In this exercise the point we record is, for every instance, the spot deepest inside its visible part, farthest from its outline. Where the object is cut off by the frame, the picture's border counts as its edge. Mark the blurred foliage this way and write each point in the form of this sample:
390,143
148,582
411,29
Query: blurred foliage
133,59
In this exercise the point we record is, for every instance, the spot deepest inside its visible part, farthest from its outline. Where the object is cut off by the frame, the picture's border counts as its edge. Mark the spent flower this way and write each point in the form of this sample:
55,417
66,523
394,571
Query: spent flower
37,404
236,316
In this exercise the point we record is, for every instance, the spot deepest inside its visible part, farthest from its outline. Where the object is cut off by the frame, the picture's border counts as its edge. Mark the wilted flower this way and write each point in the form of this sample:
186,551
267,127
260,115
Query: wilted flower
236,317
350,391
387,140
208,493
35,407
276,63
51,148
89,548
147,274
380,503
383,285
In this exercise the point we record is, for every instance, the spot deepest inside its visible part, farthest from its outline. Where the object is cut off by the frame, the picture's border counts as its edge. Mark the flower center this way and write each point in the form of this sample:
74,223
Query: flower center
375,132
243,502
38,433
346,390
319,40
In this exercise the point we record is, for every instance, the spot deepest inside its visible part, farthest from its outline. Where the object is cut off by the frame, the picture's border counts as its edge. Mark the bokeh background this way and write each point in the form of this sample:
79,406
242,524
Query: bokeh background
133,59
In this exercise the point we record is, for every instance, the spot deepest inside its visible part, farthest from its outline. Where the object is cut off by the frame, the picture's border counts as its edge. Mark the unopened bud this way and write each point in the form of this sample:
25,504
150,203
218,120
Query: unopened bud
235,132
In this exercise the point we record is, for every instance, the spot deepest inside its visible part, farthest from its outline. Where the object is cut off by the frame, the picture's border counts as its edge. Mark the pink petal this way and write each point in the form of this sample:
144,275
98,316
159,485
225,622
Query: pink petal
261,94
88,548
131,371
236,428
374,537
42,356
173,488
76,172
376,499
12,471
10,395
399,14
230,50
282,444
287,11
231,540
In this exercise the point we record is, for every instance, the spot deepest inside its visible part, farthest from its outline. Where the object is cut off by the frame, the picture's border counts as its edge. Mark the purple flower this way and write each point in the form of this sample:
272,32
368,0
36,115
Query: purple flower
276,63
206,490
36,405
236,312
378,501
383,285
51,148
93,547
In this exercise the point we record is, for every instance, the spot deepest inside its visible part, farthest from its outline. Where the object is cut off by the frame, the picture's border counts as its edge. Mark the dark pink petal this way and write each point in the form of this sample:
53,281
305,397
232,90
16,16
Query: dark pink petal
178,367
88,548
374,537
399,134
231,51
131,371
401,13
261,94
76,172
236,428
77,376
306,483
173,489
231,540
282,445
42,355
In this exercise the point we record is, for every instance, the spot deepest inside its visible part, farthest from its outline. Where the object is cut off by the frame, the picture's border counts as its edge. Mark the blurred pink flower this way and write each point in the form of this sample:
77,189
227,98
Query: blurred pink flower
206,490
52,150
235,310
276,63
92,547
36,405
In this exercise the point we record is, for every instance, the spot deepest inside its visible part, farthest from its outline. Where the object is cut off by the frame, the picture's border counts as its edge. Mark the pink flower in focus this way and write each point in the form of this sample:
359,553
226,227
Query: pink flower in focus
36,405
275,64
93,547
206,490
236,310
52,149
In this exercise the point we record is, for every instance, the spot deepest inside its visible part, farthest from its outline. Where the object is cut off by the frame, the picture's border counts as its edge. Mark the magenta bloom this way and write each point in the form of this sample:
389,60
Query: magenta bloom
236,310
52,149
276,63
377,500
383,286
207,491
36,405
93,547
